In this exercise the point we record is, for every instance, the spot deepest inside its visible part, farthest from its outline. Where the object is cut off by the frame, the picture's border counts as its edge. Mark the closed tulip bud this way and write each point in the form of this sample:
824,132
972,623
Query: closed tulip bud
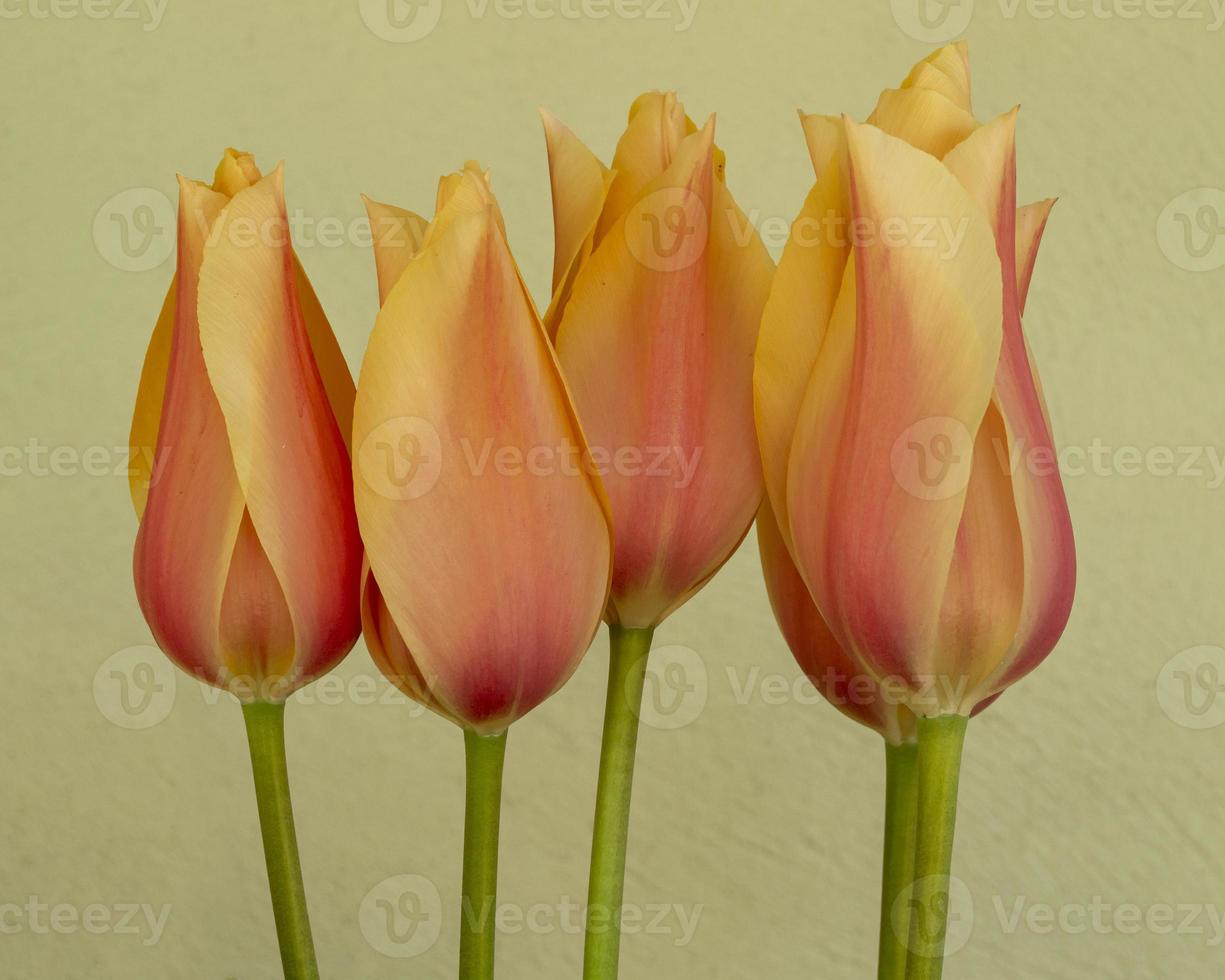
901,422
659,280
486,532
248,558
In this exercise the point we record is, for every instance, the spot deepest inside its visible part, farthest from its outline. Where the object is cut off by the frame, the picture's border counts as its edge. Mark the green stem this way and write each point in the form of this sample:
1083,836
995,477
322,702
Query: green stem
266,737
485,755
901,799
628,650
940,744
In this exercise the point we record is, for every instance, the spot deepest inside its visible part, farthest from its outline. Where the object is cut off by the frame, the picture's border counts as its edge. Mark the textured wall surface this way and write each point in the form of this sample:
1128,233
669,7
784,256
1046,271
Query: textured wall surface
1092,791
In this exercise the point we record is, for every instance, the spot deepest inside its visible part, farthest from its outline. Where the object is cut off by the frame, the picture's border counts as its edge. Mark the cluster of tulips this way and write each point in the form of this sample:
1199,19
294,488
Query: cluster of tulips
498,482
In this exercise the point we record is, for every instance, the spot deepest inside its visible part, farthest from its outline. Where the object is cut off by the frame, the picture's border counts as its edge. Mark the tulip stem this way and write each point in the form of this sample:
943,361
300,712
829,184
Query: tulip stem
485,755
940,744
628,651
901,799
266,736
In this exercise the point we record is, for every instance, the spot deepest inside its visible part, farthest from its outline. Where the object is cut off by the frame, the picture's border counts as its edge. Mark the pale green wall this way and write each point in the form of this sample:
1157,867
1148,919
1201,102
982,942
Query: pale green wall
1077,784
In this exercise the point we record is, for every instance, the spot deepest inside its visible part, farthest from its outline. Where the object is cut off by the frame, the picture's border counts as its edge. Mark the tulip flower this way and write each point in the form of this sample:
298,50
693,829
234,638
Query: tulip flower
894,393
247,558
658,285
486,528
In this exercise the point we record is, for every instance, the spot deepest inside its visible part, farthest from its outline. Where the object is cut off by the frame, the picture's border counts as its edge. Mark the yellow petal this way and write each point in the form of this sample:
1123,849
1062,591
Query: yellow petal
946,71
795,320
396,236
657,125
823,134
580,184
146,419
925,119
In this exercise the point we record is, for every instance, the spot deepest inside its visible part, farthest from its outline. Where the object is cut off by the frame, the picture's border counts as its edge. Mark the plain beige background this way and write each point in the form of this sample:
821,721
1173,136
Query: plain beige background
1093,792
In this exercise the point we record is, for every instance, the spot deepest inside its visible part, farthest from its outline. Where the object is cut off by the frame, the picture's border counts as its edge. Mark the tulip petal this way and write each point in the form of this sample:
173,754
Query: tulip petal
874,549
657,125
795,320
580,185
839,679
388,649
923,118
983,596
147,416
946,71
194,508
1031,223
657,343
236,172
289,452
396,236
256,635
824,136
986,165
459,357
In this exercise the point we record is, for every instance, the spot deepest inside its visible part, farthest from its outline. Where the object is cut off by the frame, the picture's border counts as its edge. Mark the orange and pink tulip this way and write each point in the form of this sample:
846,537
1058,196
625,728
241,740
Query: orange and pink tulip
905,443
658,285
486,531
247,558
